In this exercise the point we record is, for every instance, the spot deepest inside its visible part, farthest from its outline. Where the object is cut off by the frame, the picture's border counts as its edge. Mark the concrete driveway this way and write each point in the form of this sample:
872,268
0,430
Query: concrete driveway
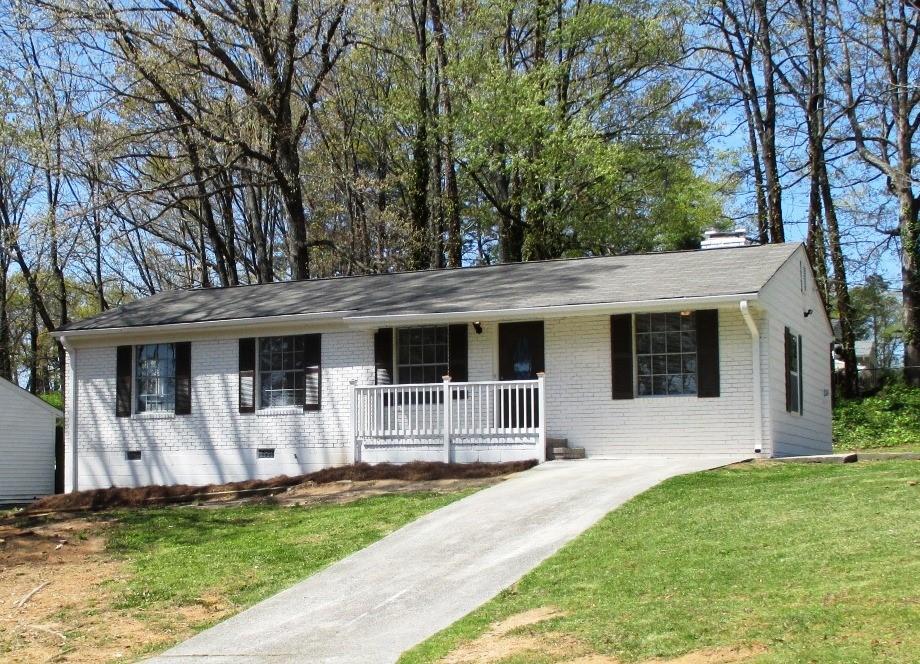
382,600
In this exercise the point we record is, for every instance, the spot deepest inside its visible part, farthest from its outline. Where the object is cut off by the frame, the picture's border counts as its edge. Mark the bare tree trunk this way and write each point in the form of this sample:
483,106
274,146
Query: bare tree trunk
768,140
420,256
452,203
6,365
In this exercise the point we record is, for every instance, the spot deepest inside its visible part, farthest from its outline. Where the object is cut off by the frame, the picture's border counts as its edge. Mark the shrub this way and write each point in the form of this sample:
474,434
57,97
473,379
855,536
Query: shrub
890,418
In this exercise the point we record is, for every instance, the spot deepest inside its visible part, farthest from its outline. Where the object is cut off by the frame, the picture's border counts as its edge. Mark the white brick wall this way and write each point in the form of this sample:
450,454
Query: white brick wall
216,443
580,407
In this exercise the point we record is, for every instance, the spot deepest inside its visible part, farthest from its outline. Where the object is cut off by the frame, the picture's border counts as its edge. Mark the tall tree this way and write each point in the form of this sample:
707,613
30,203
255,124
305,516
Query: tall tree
878,72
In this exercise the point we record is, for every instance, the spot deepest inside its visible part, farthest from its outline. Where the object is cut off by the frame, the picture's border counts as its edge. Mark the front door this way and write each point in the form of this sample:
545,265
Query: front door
520,357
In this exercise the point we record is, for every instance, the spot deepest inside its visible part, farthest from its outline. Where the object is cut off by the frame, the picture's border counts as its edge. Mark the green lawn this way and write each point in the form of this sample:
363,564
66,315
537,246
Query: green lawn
247,553
811,563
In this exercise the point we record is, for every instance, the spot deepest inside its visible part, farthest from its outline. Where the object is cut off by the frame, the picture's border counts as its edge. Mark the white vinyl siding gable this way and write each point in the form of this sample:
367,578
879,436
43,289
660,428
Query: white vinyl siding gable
808,432
26,445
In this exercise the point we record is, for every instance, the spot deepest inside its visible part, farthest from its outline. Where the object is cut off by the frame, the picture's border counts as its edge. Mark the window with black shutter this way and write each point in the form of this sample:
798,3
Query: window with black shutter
383,356
289,371
665,354
155,378
247,376
183,378
793,348
123,360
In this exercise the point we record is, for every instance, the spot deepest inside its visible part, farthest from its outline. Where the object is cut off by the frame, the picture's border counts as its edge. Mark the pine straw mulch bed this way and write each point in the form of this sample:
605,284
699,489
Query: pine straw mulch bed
417,471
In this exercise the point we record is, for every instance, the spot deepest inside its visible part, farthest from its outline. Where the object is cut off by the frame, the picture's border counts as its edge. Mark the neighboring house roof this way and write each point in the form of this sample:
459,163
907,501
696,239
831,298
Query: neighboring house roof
8,389
514,286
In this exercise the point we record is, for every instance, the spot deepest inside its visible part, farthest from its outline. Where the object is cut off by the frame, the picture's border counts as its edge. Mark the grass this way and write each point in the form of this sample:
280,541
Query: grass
813,563
243,554
887,421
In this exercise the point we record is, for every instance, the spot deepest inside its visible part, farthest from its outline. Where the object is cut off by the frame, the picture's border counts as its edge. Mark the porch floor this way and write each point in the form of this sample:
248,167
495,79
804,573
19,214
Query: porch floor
375,604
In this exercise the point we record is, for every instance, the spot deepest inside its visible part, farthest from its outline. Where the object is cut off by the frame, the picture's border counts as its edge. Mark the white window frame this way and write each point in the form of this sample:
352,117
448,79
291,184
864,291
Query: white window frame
396,363
260,408
135,392
635,354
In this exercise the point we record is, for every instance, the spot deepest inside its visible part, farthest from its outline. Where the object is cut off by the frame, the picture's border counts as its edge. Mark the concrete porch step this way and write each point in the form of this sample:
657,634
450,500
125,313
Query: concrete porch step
568,452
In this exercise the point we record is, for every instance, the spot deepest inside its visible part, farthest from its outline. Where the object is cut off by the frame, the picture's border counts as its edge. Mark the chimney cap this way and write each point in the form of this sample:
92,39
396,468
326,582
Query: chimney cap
714,238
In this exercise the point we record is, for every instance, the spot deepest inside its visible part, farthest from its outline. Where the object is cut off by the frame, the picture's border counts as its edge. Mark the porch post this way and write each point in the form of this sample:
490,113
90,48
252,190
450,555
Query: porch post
356,444
447,417
541,396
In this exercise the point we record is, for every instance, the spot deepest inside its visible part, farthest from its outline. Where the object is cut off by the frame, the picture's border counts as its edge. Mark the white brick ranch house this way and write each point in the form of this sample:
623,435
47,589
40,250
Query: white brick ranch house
694,352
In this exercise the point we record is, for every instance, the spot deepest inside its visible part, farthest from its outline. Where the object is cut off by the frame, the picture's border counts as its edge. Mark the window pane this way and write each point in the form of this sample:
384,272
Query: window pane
644,365
155,377
422,354
675,385
675,365
665,356
281,371
643,343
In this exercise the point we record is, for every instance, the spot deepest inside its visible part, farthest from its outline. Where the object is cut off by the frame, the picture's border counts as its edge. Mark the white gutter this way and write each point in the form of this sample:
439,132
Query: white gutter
204,324
554,311
385,320
757,394
70,413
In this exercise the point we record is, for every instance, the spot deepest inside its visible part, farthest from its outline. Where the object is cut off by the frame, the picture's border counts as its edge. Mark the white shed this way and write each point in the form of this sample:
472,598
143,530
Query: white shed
26,444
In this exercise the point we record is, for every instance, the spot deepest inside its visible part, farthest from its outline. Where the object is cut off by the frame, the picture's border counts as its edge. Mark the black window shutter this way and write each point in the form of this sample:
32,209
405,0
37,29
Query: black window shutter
707,353
787,337
123,358
801,380
383,356
313,379
247,375
183,378
458,353
621,341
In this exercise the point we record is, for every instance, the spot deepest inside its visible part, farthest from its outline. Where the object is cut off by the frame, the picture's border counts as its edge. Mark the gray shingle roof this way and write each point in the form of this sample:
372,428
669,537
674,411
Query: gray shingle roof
640,277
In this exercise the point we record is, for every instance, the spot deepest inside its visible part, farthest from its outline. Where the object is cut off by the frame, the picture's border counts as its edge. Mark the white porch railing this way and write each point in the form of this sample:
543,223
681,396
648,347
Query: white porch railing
428,418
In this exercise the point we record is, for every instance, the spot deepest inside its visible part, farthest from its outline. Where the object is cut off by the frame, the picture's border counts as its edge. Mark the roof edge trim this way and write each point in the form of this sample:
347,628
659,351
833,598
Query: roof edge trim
202,324
552,311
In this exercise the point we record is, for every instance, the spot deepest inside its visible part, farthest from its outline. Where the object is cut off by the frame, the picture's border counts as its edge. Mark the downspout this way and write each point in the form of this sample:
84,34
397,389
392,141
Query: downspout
70,413
758,387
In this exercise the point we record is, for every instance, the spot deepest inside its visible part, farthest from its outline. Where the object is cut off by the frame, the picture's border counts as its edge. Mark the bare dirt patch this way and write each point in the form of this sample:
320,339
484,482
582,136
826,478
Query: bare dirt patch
347,490
60,588
57,588
101,499
510,638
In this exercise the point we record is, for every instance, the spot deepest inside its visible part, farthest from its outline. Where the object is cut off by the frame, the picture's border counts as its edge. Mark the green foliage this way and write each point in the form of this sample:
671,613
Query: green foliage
55,399
890,418
243,554
815,563
877,317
